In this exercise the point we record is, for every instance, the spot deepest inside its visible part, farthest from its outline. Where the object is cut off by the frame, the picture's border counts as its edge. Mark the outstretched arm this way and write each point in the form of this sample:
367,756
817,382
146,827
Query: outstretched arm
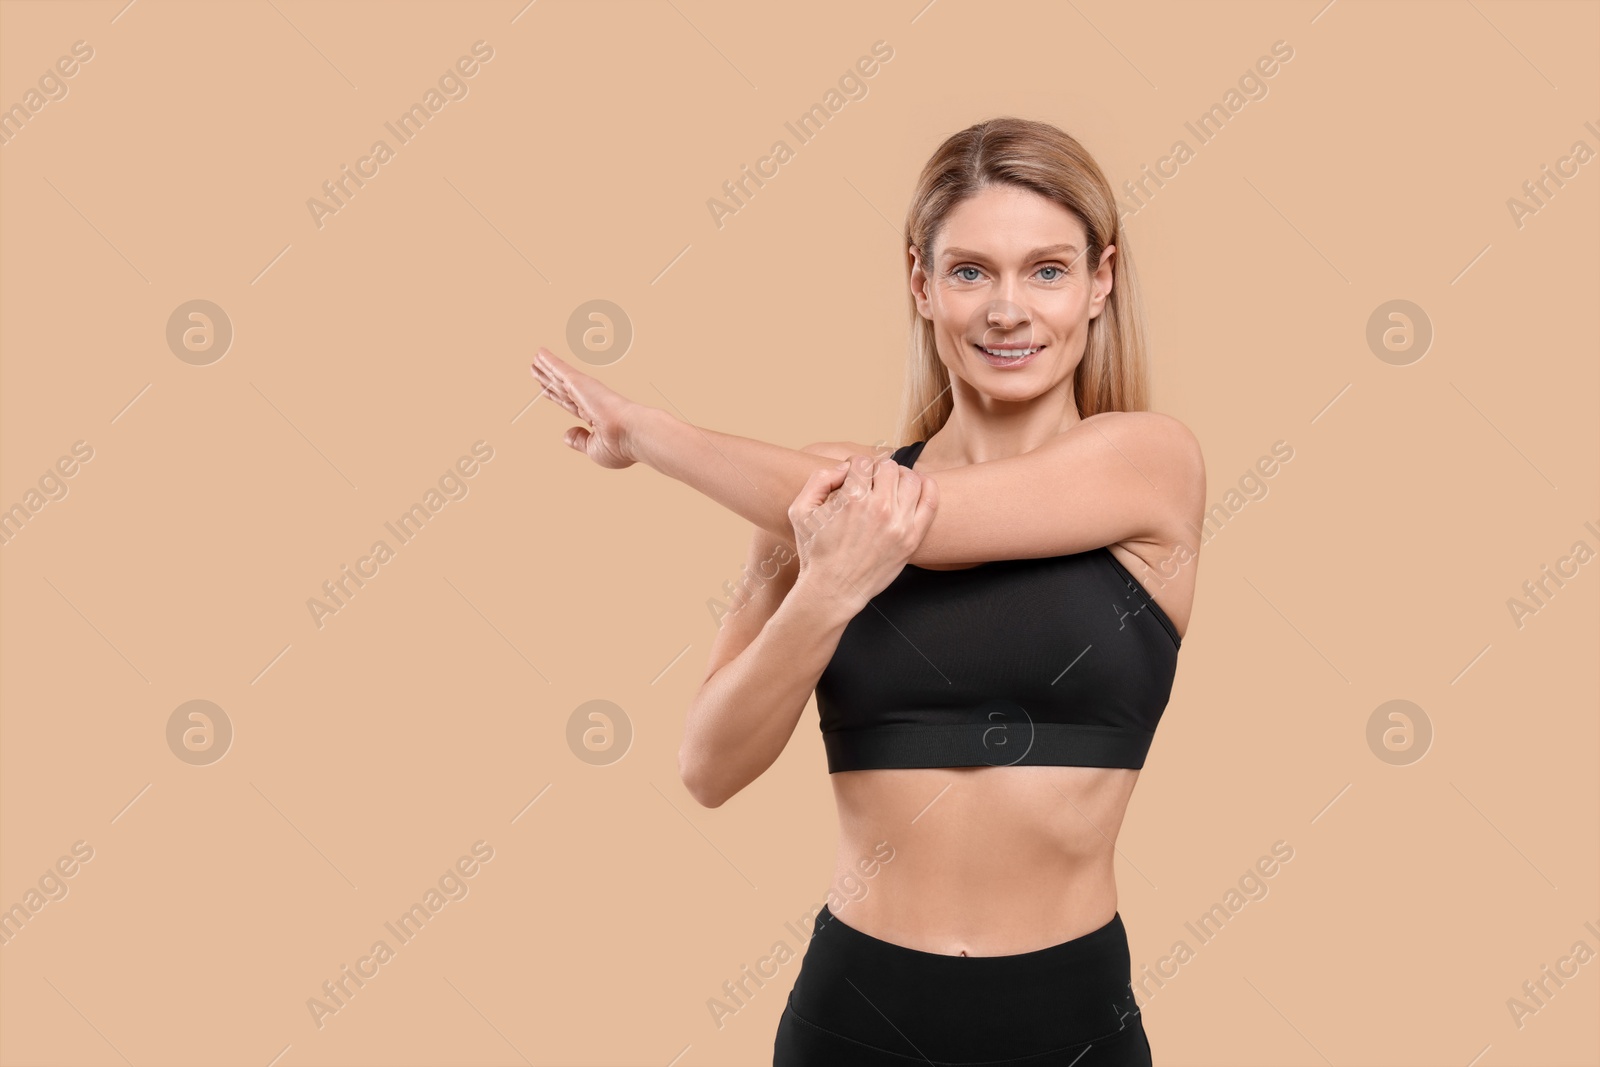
1114,477
752,478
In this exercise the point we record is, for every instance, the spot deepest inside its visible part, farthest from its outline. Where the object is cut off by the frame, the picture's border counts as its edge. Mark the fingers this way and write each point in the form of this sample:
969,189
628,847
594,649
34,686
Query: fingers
882,479
560,372
554,389
557,396
547,372
911,506
561,384
858,477
896,484
886,477
552,365
822,482
816,496
578,439
575,438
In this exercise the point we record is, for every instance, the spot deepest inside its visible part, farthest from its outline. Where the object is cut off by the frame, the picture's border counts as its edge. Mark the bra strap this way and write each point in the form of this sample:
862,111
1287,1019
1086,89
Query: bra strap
906,455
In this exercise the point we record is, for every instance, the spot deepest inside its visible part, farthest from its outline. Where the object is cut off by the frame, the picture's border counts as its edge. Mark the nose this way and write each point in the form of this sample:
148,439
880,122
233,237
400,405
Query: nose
1012,284
1006,313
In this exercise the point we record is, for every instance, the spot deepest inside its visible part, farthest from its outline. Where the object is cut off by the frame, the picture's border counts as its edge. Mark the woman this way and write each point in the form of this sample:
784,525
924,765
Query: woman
988,669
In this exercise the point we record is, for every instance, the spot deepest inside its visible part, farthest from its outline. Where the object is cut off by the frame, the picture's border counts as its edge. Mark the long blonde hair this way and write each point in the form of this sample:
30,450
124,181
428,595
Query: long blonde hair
1112,376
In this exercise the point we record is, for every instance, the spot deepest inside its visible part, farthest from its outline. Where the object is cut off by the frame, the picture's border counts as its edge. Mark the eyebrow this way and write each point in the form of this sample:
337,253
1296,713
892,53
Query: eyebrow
964,253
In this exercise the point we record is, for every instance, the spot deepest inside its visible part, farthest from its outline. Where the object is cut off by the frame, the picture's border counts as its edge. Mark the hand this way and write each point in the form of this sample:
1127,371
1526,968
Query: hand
608,413
857,524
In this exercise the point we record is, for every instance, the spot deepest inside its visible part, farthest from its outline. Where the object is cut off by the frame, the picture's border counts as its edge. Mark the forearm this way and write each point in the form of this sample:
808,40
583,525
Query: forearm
745,713
754,479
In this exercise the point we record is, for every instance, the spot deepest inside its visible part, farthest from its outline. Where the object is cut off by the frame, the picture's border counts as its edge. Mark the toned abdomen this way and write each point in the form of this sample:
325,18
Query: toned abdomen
987,860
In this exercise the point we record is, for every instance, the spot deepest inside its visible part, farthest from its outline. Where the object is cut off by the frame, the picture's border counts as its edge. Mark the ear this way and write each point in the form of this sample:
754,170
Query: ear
1102,282
919,284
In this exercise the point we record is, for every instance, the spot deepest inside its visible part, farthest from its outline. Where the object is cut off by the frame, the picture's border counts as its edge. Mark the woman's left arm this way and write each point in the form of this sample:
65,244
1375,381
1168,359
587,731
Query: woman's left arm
1118,476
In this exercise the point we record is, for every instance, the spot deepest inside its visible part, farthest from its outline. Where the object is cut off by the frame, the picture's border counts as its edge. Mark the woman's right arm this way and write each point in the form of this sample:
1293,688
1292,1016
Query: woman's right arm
765,663
854,530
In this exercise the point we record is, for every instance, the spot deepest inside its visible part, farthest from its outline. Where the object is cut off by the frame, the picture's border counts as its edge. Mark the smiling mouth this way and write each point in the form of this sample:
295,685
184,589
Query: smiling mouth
1006,353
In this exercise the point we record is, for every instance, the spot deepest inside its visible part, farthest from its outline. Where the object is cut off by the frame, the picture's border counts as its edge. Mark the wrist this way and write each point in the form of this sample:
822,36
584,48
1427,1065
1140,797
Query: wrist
827,603
640,425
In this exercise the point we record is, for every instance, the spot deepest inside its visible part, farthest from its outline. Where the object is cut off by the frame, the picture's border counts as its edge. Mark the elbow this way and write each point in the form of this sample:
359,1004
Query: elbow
697,782
704,796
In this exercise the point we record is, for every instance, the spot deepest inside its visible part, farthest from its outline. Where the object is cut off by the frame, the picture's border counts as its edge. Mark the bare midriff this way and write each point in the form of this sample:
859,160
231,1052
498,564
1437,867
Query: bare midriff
987,861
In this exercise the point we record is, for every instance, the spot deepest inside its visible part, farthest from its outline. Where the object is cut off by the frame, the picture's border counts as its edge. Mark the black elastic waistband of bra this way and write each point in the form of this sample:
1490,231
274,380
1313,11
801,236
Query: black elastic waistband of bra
976,744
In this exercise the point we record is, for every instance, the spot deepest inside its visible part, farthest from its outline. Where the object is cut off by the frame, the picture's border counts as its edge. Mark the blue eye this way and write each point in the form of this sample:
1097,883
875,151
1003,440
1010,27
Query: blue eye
960,272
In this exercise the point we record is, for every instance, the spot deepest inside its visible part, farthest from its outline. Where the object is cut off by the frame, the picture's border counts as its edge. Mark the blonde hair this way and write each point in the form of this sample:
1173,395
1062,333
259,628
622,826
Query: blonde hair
1112,376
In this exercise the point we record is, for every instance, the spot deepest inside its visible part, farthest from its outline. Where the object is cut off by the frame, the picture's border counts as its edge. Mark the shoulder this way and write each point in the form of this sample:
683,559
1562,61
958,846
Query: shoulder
1155,454
1151,437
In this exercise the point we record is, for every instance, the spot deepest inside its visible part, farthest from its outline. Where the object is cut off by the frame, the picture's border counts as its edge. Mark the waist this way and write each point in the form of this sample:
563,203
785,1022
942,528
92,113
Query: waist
1104,946
958,853
1005,911
965,1007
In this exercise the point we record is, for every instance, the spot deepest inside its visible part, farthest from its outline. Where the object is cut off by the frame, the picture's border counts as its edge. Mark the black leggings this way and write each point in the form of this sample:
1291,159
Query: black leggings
862,1001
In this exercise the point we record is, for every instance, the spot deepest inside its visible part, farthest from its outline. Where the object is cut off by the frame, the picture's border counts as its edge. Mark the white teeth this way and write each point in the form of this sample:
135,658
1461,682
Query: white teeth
1015,353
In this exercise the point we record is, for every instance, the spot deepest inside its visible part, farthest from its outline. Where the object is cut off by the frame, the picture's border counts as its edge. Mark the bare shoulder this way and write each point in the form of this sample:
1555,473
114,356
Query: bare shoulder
1157,444
1167,465
1147,428
1169,472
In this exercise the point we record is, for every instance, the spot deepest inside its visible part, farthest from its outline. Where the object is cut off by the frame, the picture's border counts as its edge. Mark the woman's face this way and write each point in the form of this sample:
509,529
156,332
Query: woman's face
1008,294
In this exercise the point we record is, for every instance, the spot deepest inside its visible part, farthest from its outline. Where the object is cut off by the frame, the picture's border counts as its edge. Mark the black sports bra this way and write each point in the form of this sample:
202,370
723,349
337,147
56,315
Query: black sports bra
1060,661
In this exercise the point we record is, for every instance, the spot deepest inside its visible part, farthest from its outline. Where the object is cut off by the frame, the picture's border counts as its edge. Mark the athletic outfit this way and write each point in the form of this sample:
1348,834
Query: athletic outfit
1054,661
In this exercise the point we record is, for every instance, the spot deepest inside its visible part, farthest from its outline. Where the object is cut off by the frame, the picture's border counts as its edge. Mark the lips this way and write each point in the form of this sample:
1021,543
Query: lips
999,355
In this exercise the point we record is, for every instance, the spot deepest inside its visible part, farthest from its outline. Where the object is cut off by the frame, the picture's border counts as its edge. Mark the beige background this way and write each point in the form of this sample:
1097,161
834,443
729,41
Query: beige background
369,354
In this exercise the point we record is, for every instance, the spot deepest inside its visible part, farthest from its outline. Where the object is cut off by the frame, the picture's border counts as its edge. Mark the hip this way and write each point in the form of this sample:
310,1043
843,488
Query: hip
872,1000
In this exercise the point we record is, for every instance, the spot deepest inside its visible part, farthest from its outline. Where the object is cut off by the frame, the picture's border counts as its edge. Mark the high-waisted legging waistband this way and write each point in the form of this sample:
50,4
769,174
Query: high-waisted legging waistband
887,999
